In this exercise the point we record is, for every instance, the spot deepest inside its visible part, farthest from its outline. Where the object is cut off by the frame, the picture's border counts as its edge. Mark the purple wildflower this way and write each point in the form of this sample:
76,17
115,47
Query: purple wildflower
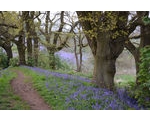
96,106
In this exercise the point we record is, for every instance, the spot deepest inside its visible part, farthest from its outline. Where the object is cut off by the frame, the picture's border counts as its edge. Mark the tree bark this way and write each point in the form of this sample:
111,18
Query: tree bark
76,55
21,50
52,63
105,65
7,47
9,54
36,51
107,52
29,23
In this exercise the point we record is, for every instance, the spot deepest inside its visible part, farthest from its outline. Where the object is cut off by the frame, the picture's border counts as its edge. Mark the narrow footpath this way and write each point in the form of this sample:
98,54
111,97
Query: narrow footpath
23,88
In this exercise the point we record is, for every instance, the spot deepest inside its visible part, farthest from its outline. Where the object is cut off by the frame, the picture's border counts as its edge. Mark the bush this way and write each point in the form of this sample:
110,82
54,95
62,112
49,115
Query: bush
59,64
30,62
142,90
14,62
3,60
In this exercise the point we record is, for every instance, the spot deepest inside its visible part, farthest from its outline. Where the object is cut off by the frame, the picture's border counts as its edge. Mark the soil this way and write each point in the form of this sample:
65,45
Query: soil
22,86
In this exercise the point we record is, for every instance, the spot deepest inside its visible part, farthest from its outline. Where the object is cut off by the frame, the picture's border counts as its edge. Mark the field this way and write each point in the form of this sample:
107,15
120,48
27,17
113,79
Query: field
69,92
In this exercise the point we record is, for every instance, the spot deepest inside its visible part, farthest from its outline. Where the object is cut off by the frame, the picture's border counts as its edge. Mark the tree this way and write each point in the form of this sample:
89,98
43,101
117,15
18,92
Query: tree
144,36
54,34
78,46
5,38
28,19
105,32
31,35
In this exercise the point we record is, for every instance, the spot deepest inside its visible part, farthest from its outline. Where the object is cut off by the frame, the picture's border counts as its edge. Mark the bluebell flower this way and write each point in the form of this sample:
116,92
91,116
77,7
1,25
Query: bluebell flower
96,106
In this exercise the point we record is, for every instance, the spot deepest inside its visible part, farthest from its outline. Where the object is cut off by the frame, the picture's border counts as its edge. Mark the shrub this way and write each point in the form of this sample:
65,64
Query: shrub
14,62
30,62
3,60
142,90
60,64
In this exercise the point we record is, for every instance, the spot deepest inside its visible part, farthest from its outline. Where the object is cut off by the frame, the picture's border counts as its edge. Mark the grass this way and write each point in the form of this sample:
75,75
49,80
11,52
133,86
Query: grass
8,100
62,94
71,72
55,98
124,80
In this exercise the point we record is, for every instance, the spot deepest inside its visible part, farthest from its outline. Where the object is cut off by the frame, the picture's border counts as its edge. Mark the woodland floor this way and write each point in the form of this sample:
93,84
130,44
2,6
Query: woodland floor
22,86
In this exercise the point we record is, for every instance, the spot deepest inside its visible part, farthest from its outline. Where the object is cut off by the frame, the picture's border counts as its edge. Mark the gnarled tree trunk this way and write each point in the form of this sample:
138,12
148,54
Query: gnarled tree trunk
105,59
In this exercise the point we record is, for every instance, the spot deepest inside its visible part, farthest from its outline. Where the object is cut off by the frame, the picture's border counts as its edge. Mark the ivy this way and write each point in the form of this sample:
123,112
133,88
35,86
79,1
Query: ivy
142,92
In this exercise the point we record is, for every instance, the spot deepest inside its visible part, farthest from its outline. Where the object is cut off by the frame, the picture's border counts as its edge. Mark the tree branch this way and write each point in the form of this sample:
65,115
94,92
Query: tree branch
8,25
131,47
135,37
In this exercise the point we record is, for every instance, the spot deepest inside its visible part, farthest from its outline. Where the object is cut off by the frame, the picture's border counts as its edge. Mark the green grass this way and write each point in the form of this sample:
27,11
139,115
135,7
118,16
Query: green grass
124,80
55,92
71,72
8,100
54,98
38,82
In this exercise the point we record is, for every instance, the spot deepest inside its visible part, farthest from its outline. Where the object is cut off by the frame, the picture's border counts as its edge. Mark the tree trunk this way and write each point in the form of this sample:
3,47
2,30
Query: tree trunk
145,35
52,60
36,51
29,51
94,71
21,50
105,46
9,54
76,55
104,64
107,52
7,46
80,52
29,31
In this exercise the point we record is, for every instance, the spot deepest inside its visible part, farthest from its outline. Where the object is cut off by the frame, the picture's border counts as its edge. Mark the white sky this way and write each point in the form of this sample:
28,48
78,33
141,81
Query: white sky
74,5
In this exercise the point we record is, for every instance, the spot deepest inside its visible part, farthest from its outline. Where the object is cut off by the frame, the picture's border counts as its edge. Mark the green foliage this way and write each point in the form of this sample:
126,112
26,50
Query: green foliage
59,64
8,100
30,62
142,90
14,62
3,60
124,80
146,20
97,21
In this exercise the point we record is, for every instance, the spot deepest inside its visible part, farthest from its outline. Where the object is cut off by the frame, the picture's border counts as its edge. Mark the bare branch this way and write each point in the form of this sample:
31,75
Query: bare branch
135,37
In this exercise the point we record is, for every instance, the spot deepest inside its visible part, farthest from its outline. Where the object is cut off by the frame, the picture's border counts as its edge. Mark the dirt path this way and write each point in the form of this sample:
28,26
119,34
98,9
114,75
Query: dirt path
24,89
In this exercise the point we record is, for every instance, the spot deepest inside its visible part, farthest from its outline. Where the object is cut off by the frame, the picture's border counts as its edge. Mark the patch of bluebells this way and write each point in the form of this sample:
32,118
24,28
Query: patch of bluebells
88,97
56,74
78,96
123,95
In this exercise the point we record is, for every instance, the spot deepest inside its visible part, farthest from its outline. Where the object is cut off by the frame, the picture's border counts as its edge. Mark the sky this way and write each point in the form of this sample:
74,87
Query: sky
75,5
